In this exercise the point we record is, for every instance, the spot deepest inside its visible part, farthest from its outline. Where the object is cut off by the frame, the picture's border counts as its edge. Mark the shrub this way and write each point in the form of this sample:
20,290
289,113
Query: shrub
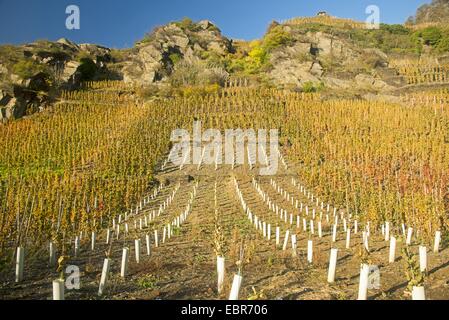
187,24
310,87
118,55
197,73
175,58
27,68
258,54
276,37
88,69
148,282
431,35
201,90
443,45
398,29
148,91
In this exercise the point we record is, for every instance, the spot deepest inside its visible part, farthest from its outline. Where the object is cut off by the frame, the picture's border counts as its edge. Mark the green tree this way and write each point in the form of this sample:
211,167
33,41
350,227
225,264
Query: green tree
276,37
87,68
443,45
431,35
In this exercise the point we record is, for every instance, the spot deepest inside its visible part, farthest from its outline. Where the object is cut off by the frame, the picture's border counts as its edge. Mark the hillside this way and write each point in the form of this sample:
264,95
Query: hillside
102,180
309,164
324,53
435,12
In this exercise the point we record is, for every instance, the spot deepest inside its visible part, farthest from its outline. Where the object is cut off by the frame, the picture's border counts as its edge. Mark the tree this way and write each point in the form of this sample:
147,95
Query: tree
443,45
87,68
431,36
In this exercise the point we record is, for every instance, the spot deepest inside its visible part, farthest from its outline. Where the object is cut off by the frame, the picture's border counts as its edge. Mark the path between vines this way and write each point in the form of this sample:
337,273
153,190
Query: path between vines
185,266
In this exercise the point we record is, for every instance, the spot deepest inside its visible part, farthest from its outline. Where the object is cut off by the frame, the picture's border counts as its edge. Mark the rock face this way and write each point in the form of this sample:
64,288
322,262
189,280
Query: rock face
319,57
435,12
155,58
187,53
43,63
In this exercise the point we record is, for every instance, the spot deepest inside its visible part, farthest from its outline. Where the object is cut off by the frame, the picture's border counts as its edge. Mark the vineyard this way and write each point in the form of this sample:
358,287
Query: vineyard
358,208
422,72
327,21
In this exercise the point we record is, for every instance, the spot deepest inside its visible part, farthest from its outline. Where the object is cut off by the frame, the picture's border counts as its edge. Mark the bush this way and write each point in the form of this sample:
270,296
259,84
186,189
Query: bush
148,91
397,29
252,63
197,73
118,55
191,91
310,87
276,37
258,54
27,68
443,45
187,24
431,35
175,58
88,69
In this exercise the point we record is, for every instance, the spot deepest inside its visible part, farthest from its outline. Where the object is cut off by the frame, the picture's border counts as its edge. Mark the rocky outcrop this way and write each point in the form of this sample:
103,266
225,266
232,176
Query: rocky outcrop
44,63
27,98
155,58
320,57
435,12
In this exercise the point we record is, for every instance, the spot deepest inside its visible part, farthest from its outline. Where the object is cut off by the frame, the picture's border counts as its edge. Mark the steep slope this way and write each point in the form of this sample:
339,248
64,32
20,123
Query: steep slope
158,55
307,54
30,73
327,58
435,12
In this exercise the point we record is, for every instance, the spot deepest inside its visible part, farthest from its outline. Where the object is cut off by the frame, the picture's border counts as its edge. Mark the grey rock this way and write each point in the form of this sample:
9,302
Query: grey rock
3,70
151,62
68,43
4,98
365,81
317,69
15,109
205,24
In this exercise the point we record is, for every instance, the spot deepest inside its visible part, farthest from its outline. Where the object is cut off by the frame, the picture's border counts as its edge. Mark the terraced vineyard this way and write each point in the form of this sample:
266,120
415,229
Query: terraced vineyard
422,72
89,181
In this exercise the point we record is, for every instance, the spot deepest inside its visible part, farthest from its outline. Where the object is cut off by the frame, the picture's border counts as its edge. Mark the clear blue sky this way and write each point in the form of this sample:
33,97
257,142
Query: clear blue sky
118,23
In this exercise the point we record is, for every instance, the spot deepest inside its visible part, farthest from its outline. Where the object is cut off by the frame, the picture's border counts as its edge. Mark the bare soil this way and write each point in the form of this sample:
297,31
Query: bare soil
185,266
